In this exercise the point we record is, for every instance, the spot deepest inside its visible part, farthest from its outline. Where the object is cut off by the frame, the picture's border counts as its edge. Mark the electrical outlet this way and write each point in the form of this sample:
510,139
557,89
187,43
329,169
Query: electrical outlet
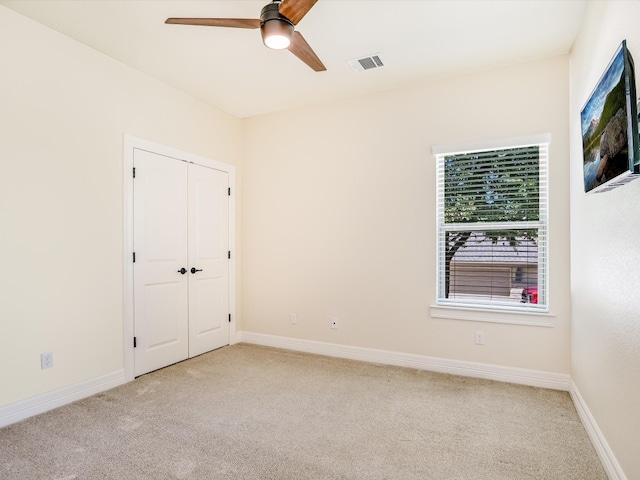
334,323
294,319
479,338
46,360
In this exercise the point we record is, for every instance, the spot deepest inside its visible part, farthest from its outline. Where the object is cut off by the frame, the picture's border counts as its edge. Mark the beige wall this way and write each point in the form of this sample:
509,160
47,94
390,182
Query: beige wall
339,215
605,257
63,111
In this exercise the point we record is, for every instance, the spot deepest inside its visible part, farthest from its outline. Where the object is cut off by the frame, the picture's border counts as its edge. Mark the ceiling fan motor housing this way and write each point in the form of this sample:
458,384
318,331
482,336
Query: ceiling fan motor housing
271,11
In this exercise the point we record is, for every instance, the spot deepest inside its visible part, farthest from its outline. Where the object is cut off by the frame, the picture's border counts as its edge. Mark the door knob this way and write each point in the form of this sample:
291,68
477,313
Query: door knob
182,270
194,270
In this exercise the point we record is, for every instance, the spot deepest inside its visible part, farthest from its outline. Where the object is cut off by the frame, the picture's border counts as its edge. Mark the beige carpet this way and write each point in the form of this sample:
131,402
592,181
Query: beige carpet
247,412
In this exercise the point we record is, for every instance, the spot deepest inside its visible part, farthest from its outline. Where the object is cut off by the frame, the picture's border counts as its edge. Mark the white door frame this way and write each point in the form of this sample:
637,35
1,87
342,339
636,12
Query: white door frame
130,144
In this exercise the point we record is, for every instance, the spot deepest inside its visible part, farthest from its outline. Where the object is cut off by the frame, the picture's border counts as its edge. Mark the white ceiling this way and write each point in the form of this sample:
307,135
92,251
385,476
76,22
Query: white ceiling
231,69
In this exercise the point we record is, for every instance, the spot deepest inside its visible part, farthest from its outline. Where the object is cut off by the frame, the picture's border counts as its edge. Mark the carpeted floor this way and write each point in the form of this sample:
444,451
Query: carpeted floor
248,412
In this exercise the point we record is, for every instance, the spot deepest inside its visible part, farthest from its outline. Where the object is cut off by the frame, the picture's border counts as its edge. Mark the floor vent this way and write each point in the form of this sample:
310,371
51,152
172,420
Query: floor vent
366,63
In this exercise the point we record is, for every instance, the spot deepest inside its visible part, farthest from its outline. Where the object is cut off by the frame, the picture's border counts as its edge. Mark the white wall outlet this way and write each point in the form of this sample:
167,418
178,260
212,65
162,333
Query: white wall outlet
479,338
294,319
46,360
334,323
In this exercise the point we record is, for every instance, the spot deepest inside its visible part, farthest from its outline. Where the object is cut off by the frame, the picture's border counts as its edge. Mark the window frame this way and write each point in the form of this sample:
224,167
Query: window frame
501,312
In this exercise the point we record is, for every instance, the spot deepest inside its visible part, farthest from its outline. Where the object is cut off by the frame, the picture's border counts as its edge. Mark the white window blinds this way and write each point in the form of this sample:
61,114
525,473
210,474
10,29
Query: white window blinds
492,209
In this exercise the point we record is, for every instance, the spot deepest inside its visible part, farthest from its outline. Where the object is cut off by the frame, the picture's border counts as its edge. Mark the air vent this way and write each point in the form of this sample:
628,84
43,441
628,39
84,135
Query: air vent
366,63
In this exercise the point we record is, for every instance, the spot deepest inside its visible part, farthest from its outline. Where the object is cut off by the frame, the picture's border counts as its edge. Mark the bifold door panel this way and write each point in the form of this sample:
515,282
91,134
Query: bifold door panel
208,259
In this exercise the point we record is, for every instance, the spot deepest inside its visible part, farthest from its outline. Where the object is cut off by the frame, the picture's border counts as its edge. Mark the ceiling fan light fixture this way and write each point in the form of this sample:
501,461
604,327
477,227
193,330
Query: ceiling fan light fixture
276,29
277,33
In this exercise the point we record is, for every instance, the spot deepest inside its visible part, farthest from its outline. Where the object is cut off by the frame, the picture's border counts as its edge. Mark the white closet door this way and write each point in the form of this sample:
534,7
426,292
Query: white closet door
160,245
208,259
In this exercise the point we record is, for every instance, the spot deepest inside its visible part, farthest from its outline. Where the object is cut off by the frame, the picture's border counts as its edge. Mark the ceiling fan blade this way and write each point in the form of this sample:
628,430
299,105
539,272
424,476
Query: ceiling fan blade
294,10
301,49
217,22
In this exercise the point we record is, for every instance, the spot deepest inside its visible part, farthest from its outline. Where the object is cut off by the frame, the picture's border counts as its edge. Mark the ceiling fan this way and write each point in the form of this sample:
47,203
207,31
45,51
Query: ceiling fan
276,23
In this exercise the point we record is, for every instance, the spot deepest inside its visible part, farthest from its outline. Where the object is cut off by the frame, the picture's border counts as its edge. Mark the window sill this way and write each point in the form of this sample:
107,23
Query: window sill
512,317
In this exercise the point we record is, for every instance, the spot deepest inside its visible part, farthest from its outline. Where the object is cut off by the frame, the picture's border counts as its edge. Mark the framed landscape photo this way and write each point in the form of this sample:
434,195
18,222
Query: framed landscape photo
610,126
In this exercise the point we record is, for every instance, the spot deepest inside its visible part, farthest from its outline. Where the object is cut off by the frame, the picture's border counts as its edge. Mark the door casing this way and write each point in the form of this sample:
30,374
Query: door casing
131,143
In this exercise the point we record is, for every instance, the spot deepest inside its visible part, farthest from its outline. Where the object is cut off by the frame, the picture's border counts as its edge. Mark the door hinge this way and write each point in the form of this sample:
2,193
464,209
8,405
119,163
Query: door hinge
229,318
134,257
134,172
229,254
229,191
134,342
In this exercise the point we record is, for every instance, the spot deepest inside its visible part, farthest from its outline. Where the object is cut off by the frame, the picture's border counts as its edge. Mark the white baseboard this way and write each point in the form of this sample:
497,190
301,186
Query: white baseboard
14,412
534,378
607,458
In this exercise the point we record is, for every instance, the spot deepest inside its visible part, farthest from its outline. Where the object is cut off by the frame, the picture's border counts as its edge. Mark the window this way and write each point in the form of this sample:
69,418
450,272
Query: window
492,227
